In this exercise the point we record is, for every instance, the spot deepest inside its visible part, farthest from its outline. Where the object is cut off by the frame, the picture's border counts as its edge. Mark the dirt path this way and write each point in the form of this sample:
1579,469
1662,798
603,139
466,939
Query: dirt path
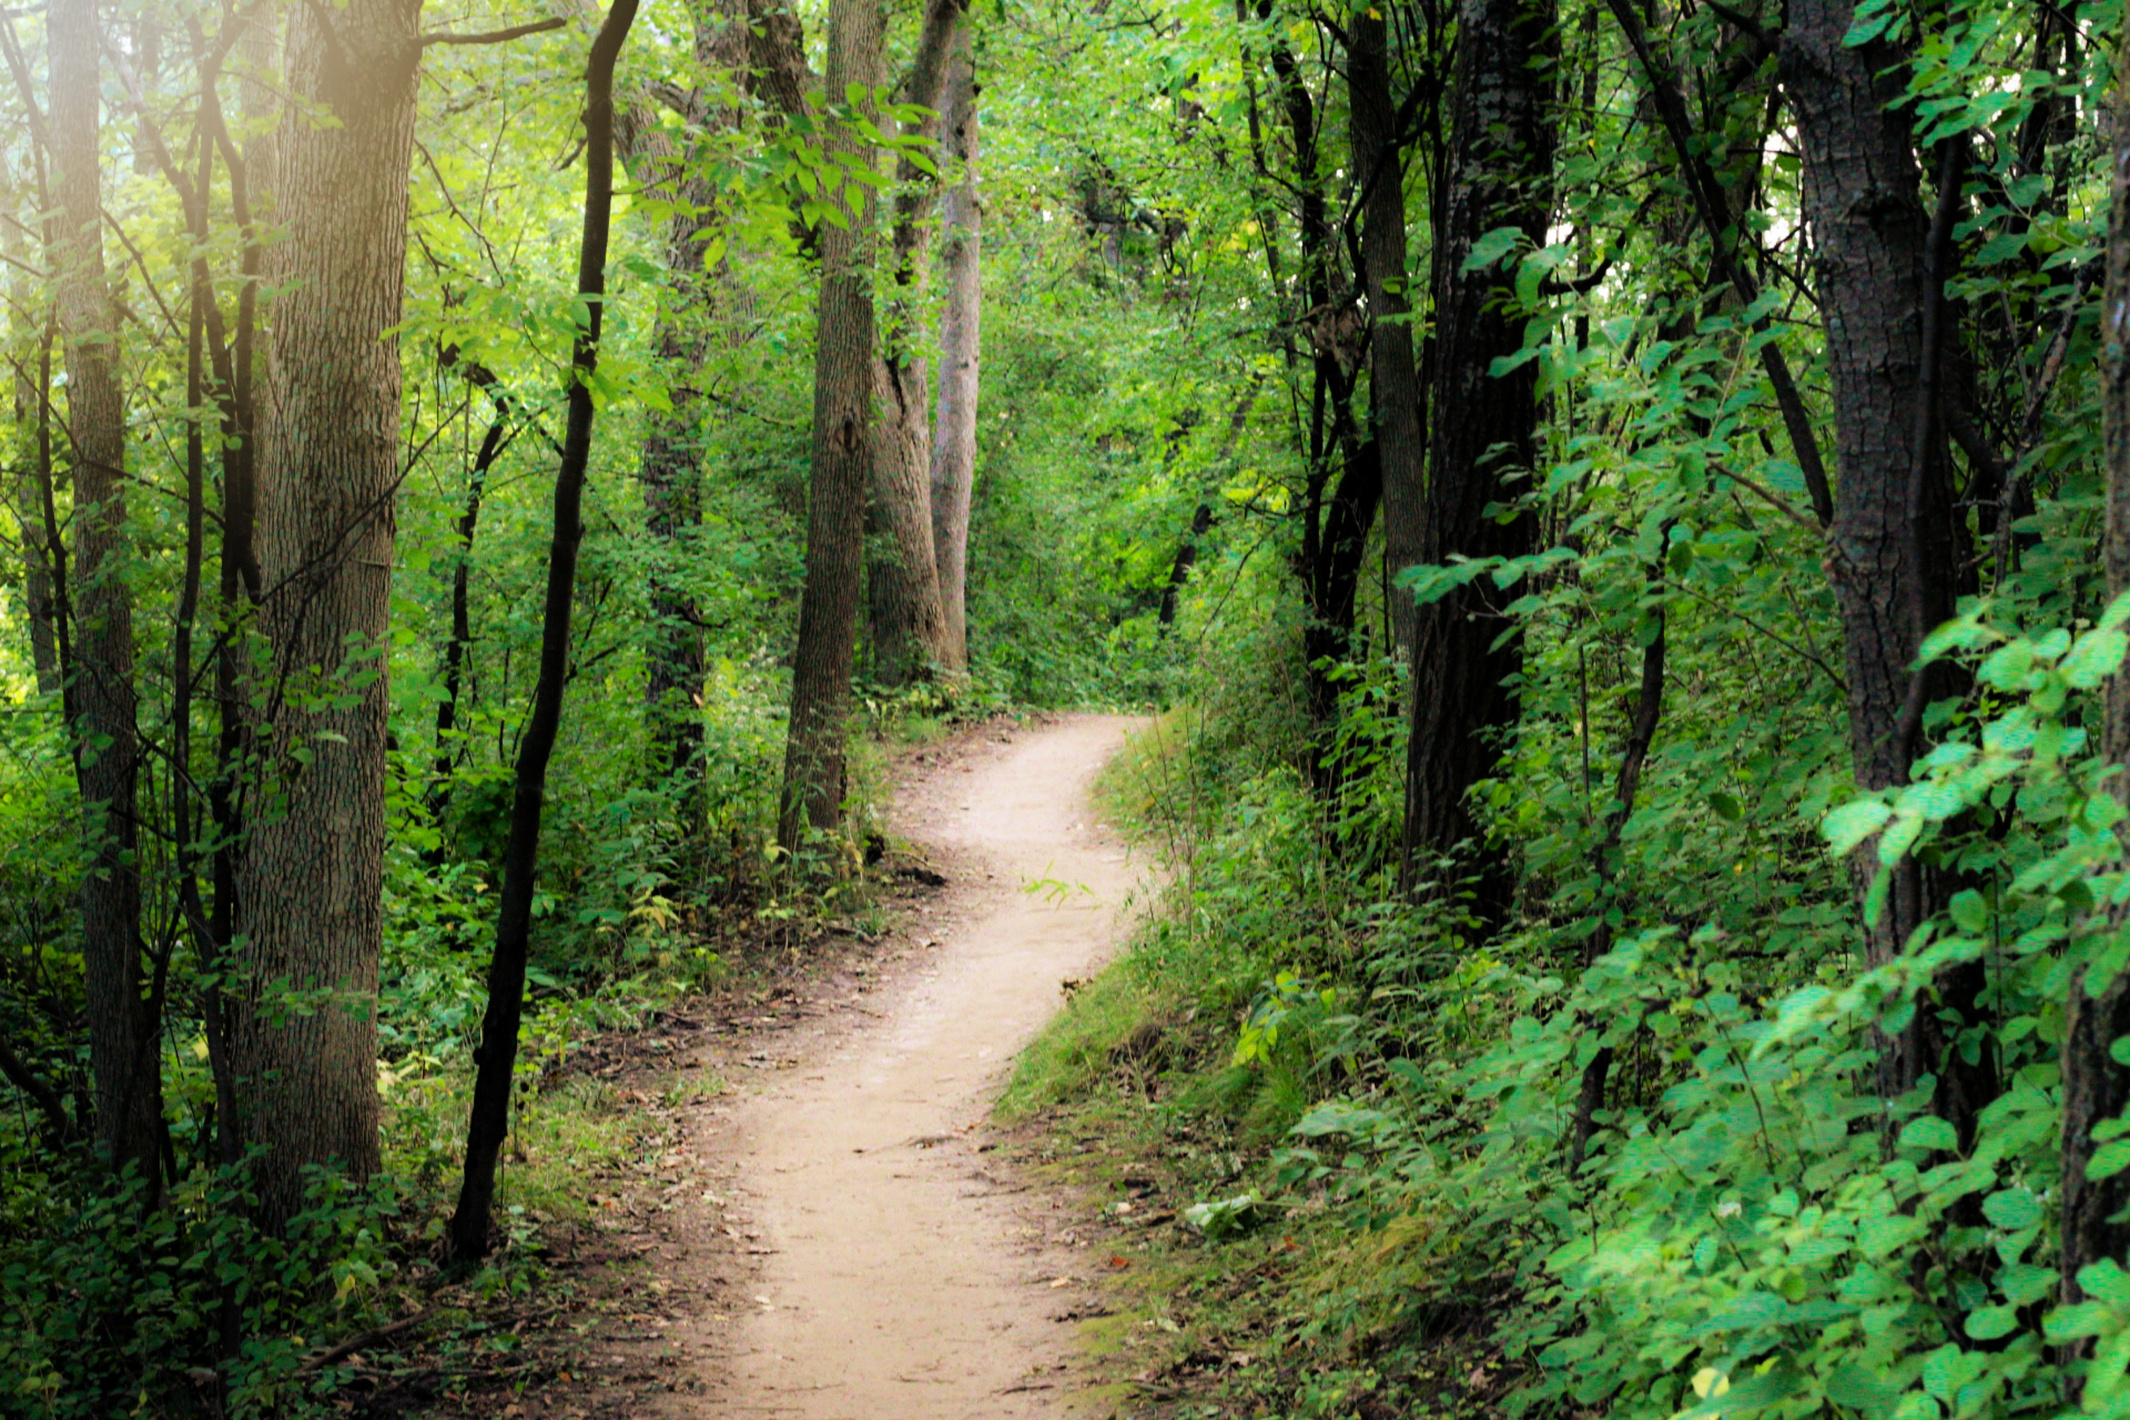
898,1281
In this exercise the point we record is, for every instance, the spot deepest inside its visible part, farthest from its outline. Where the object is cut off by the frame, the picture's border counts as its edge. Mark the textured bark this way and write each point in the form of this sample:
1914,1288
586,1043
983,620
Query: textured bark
841,453
698,300
906,619
1499,175
777,56
27,477
498,1055
1333,582
1395,395
2095,1087
960,350
309,883
1890,555
122,1048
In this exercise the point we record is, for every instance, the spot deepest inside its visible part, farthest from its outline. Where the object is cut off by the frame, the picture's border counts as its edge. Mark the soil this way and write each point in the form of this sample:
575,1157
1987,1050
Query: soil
835,1235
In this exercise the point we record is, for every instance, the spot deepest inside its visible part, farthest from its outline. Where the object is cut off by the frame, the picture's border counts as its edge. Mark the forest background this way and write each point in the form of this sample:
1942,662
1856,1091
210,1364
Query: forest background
1626,505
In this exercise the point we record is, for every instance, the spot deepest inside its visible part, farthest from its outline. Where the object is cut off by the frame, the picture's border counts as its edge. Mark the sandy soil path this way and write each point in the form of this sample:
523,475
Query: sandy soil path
899,1281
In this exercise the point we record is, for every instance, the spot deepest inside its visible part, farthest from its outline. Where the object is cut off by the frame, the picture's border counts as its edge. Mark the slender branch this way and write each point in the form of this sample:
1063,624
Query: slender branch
502,36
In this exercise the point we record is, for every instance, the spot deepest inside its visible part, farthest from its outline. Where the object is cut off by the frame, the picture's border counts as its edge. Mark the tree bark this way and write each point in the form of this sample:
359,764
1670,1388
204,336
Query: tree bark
498,1055
1499,175
960,349
1890,556
841,453
1395,395
122,1047
26,492
906,618
671,468
310,881
1333,585
2095,1087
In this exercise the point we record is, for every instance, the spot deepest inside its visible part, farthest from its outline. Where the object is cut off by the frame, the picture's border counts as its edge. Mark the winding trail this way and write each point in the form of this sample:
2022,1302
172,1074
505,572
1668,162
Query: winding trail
900,1278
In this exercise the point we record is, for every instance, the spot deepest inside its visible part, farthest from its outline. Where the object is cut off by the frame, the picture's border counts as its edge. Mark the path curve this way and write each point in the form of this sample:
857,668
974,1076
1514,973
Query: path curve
898,1281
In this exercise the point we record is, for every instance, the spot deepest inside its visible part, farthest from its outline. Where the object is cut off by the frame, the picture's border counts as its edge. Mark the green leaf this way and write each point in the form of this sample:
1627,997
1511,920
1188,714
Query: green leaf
2014,1210
1854,822
1859,1389
2098,655
2075,1323
1726,806
1949,1368
2105,1281
1989,1323
1930,1133
2109,1160
1492,247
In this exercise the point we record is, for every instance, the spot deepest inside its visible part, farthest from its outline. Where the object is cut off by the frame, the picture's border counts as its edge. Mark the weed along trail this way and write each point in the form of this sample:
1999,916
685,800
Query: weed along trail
897,1281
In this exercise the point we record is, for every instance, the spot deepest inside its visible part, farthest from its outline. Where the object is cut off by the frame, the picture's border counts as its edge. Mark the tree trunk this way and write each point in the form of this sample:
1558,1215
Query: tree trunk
843,398
960,346
309,884
1333,585
122,1046
1394,380
2095,1088
1181,567
907,620
461,637
26,493
671,470
1890,555
1499,175
498,1055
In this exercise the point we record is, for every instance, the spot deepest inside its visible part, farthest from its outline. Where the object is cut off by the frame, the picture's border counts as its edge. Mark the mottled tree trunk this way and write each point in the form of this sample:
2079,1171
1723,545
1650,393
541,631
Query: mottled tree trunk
310,881
842,446
960,348
907,621
1395,395
122,1047
2095,1088
1890,555
1499,175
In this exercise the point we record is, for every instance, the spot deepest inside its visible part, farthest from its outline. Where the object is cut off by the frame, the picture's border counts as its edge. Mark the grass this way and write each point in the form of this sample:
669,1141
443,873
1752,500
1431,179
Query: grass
1136,1098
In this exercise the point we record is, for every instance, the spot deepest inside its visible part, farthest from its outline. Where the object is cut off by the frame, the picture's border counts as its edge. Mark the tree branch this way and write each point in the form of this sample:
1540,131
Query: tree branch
502,36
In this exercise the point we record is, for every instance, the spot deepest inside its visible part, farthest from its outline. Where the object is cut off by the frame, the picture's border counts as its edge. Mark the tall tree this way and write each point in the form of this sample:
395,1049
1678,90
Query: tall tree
841,443
1499,176
1892,555
498,1054
960,351
907,620
1395,395
309,906
122,1044
671,470
2096,1015
29,330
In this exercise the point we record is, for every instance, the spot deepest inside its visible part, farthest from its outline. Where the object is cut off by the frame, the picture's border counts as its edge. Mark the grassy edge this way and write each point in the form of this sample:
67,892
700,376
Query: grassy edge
1130,1102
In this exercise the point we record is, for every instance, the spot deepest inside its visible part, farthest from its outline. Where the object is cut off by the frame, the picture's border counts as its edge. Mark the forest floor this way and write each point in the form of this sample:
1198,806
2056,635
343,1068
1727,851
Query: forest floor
822,1225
